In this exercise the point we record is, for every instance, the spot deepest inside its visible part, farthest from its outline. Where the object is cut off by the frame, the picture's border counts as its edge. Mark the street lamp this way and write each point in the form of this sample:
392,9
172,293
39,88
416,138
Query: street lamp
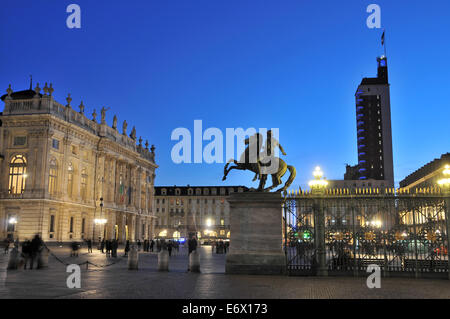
318,184
445,184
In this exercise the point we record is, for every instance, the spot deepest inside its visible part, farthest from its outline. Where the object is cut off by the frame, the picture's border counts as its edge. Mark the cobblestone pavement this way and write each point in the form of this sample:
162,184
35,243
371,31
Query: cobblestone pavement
116,281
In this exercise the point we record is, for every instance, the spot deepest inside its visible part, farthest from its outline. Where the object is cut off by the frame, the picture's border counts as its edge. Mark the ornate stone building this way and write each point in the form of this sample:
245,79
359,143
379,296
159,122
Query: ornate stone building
60,171
201,210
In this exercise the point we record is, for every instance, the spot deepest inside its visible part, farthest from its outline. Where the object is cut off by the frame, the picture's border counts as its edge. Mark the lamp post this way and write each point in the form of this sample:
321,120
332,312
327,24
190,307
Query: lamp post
13,222
318,186
444,183
100,221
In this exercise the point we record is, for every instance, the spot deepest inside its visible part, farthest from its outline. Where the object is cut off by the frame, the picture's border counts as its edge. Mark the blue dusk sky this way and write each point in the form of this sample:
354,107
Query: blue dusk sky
287,64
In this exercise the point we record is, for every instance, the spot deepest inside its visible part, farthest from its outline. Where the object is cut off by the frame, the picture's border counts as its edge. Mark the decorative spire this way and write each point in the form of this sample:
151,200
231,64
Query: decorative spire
81,107
50,90
140,141
45,89
68,99
153,148
146,145
124,127
94,116
31,82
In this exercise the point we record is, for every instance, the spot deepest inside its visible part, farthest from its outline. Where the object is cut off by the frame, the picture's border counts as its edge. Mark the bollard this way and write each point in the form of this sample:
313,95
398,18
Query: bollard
163,260
13,262
43,258
194,261
133,258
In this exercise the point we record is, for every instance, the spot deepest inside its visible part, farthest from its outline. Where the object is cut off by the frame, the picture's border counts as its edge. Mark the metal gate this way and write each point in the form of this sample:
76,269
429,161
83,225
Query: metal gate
341,233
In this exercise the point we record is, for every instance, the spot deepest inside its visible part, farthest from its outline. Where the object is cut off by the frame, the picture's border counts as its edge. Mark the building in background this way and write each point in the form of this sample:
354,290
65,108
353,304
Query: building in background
428,175
182,211
61,171
373,123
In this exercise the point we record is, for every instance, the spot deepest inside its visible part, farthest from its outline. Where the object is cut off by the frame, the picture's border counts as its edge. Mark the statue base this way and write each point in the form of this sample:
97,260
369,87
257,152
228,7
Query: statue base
256,240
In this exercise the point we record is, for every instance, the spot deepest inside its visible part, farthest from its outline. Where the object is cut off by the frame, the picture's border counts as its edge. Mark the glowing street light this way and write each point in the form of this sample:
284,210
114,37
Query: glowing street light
445,182
318,183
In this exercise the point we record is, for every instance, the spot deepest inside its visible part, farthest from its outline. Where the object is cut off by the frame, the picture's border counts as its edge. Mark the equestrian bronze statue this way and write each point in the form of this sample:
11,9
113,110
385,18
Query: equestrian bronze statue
263,163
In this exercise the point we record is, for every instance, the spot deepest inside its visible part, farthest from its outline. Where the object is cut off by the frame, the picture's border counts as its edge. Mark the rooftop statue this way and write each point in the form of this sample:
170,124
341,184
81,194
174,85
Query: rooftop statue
263,162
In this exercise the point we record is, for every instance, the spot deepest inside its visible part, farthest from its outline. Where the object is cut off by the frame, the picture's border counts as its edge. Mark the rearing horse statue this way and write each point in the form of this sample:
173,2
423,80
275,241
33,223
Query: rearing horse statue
263,163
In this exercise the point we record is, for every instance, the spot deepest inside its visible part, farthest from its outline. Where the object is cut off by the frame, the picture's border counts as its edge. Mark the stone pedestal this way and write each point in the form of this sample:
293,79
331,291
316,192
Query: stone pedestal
43,258
133,259
13,262
256,241
163,260
194,261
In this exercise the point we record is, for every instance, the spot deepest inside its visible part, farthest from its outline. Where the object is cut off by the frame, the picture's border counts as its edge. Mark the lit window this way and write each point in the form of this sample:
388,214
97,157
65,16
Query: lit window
70,180
52,177
83,188
17,174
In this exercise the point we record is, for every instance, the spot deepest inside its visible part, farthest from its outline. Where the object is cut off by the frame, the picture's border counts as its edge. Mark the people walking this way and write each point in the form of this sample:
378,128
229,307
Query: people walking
192,244
89,244
169,247
152,244
127,247
74,252
139,245
7,243
35,248
26,252
102,245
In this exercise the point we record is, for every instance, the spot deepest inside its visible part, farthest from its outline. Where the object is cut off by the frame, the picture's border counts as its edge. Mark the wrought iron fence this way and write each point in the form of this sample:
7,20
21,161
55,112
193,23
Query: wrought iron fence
340,232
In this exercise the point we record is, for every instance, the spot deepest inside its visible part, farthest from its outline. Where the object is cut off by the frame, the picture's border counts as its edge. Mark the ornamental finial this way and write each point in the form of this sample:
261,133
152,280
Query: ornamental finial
81,107
50,89
68,99
37,89
45,89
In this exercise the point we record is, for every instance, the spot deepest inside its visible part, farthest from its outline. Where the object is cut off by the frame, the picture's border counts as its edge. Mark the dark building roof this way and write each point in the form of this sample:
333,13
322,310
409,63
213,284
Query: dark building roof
21,95
425,170
184,190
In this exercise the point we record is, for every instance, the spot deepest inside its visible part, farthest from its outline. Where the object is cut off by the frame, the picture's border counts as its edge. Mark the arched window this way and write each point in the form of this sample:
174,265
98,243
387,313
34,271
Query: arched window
84,178
70,180
17,174
52,177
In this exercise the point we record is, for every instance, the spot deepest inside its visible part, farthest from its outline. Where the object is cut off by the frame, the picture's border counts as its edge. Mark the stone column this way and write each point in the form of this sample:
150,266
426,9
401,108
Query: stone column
256,243
319,216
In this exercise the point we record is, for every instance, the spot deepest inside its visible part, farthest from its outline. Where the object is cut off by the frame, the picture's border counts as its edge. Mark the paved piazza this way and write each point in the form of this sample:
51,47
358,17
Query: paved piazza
116,281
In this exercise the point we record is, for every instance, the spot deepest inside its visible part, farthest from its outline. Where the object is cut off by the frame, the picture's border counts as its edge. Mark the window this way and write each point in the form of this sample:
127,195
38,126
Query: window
55,144
17,174
71,225
222,222
83,188
70,180
83,224
52,177
52,224
20,140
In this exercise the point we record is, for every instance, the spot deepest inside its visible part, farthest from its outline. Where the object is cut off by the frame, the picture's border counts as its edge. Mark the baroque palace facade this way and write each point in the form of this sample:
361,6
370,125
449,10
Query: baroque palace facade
67,177
182,211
